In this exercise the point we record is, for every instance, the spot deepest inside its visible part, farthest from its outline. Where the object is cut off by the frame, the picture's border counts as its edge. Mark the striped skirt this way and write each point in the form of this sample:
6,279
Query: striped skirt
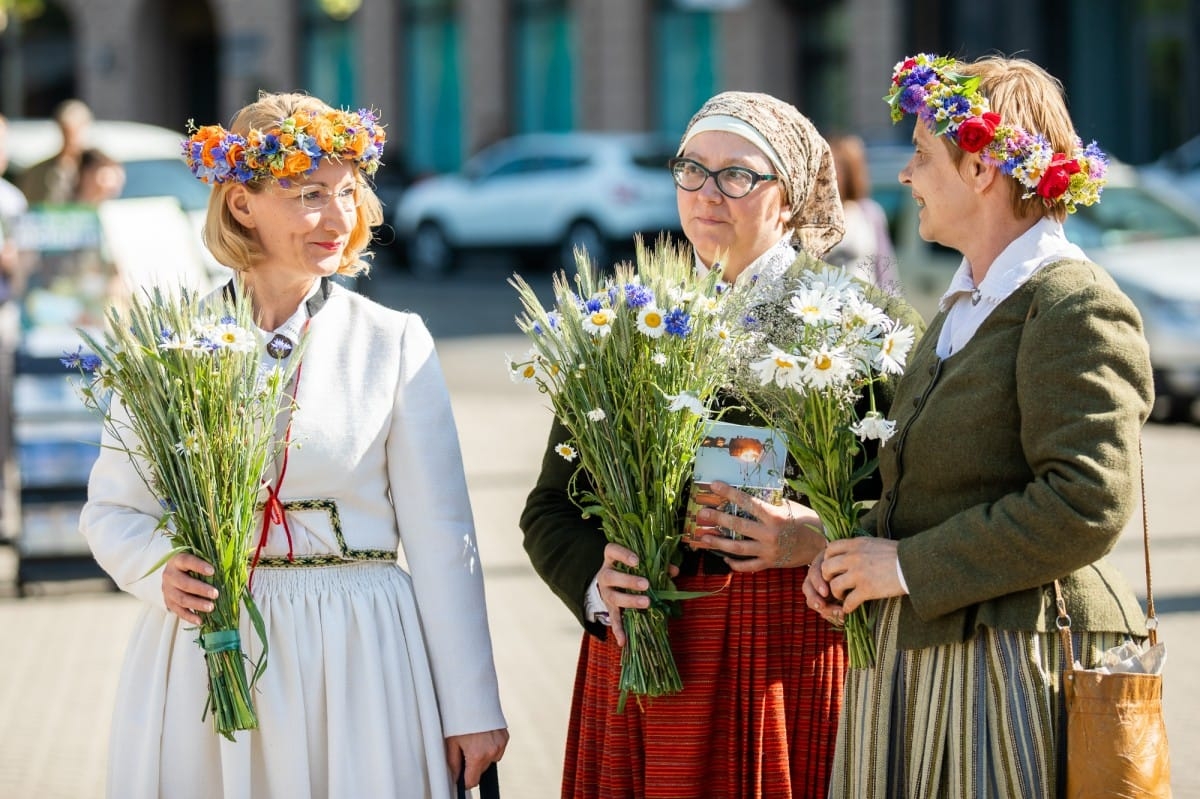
762,679
978,720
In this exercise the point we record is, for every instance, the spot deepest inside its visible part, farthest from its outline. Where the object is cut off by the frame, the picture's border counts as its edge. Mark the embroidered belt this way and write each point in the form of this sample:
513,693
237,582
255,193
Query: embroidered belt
342,556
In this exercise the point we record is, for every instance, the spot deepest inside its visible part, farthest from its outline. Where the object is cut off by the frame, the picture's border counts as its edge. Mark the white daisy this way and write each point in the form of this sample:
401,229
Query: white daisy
814,306
599,322
893,349
659,358
231,337
686,401
778,367
826,367
521,371
190,445
874,426
566,451
650,322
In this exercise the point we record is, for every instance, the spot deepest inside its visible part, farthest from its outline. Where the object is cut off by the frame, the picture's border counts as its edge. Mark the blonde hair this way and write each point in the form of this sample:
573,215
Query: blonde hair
1025,95
234,245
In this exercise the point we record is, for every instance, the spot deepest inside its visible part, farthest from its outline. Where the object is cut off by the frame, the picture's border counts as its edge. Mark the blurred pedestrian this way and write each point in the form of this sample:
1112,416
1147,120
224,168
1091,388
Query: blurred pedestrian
380,680
762,675
54,180
12,205
866,249
101,177
1016,462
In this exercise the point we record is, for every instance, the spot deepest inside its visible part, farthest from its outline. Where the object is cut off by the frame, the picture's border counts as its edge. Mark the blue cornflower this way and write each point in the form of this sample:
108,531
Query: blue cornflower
593,305
637,295
80,360
678,322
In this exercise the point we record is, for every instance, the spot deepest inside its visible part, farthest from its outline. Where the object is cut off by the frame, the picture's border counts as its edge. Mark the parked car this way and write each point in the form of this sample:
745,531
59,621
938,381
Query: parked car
1178,170
151,156
1147,239
544,193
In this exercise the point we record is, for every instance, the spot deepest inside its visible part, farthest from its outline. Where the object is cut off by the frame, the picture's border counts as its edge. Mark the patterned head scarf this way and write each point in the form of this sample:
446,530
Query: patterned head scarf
795,148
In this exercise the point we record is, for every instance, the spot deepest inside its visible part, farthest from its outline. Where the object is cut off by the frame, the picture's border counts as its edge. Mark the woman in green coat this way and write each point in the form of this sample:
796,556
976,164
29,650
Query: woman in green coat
1015,461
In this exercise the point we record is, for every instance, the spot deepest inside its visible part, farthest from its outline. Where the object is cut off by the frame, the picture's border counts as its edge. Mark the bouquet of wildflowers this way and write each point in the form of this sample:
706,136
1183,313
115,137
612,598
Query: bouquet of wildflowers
196,412
804,361
629,363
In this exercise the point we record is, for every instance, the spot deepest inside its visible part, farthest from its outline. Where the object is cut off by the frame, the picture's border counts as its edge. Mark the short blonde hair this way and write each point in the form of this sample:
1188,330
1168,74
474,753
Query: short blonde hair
1025,95
234,245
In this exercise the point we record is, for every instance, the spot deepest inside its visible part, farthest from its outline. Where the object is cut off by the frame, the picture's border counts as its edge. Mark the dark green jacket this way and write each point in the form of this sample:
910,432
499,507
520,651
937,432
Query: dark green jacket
567,550
1016,463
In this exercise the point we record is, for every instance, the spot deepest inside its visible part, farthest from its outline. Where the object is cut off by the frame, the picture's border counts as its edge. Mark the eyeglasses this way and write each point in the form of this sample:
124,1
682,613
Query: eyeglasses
315,198
734,182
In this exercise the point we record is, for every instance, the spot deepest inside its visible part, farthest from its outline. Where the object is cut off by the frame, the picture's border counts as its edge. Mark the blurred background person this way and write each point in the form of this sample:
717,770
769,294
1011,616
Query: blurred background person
101,177
12,205
54,180
866,249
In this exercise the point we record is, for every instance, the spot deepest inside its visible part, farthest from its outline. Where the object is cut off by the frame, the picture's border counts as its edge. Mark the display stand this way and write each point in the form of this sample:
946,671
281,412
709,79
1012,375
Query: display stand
63,285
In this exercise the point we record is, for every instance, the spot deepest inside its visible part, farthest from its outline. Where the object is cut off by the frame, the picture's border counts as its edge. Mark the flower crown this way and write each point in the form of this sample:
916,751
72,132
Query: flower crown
292,149
951,104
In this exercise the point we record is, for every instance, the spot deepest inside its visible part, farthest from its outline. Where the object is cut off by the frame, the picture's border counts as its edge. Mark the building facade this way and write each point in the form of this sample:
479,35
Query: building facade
451,76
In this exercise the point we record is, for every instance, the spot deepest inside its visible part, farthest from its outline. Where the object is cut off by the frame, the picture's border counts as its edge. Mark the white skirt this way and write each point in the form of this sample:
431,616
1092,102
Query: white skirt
346,707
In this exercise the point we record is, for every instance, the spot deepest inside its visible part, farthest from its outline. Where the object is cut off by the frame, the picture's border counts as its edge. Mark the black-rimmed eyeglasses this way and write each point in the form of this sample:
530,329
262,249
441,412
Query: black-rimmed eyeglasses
734,182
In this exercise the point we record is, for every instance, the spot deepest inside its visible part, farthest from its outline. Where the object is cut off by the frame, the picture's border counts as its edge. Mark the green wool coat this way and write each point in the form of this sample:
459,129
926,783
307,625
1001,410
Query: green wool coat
1016,462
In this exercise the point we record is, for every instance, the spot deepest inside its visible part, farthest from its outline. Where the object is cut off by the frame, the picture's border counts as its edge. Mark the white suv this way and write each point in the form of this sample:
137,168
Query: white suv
542,192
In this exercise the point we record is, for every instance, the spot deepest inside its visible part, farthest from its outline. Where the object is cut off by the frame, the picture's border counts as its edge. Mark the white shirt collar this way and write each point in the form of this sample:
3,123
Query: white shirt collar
1041,244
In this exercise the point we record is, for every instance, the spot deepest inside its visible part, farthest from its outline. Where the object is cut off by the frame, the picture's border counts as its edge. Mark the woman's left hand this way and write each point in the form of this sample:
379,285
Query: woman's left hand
779,536
477,750
861,568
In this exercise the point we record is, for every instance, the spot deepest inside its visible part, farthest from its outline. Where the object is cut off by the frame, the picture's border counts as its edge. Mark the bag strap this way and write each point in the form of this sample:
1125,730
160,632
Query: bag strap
1064,619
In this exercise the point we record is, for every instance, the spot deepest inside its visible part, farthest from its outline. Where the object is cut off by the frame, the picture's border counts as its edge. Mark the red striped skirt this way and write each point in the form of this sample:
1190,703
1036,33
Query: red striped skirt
758,714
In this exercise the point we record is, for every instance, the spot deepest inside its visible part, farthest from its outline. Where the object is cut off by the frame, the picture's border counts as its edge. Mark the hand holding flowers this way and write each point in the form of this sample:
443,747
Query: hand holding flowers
184,390
806,359
629,363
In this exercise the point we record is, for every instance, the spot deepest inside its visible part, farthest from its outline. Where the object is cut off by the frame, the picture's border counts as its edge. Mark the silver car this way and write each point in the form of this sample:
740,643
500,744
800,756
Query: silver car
1146,238
543,193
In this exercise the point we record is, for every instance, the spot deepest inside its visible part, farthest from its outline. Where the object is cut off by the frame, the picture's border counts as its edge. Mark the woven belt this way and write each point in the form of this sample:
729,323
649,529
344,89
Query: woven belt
344,553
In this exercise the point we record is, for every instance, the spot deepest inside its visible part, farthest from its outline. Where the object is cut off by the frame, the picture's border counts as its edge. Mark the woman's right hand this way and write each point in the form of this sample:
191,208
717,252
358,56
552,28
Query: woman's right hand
185,595
615,587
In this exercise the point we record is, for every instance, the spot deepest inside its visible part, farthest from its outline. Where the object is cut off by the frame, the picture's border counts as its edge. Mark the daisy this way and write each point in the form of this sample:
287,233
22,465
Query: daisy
893,349
190,445
659,359
827,366
565,451
781,368
650,322
874,426
598,322
814,306
686,401
522,372
227,335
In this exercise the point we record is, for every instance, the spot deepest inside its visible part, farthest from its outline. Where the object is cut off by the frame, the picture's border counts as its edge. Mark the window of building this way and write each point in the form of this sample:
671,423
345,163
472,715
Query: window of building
434,80
686,63
543,70
328,65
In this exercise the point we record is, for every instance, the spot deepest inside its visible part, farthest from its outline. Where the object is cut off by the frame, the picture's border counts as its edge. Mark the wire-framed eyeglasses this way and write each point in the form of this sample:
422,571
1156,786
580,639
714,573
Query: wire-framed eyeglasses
317,198
734,182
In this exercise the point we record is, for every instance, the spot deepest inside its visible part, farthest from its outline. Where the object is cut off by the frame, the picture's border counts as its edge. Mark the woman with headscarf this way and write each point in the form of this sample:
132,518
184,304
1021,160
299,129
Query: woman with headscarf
762,675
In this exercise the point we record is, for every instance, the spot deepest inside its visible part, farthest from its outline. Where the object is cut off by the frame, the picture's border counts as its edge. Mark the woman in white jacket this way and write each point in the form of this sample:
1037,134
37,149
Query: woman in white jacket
381,680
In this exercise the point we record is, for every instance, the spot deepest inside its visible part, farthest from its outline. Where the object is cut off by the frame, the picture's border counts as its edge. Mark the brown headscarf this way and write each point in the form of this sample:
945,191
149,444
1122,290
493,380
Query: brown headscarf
801,154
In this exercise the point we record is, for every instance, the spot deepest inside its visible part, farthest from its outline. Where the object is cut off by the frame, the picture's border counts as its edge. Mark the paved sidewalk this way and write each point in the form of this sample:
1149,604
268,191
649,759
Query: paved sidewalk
61,652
